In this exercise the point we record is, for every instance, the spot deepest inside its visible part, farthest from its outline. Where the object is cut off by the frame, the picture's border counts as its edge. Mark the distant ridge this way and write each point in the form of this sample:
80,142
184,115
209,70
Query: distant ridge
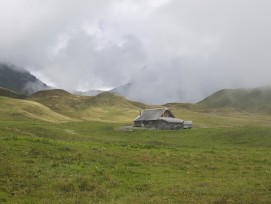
122,90
111,99
10,94
51,93
251,100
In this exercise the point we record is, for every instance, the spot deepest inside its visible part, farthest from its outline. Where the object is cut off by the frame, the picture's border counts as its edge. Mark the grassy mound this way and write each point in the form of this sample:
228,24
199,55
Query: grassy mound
109,99
16,109
111,108
60,100
251,100
11,94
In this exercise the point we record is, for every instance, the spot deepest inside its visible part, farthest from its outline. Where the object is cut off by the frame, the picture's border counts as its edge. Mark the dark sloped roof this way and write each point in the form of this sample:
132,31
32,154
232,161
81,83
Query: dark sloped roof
152,114
171,120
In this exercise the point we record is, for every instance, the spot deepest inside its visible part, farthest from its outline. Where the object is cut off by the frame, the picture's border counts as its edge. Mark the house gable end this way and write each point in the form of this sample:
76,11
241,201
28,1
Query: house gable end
168,114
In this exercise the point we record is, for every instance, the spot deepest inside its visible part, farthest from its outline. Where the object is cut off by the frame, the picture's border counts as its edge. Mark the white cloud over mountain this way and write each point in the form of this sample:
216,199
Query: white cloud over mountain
171,50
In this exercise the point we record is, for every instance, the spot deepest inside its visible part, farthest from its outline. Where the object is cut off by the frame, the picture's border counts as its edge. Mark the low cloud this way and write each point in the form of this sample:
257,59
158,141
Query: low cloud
170,50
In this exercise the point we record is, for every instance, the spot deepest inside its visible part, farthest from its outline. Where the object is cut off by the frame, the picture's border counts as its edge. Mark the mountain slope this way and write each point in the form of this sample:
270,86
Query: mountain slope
16,109
122,90
180,105
251,100
60,100
10,94
105,106
20,81
112,108
110,99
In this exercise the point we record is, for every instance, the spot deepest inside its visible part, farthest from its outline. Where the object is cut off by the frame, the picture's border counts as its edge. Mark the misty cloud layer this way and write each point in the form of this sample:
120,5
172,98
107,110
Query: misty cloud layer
170,50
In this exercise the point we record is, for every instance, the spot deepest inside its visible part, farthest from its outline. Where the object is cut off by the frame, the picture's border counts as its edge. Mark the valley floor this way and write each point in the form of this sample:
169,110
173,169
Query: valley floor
97,162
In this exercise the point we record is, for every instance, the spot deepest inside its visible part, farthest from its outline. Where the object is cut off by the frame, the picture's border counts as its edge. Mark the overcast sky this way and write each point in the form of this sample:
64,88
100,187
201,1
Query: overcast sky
171,50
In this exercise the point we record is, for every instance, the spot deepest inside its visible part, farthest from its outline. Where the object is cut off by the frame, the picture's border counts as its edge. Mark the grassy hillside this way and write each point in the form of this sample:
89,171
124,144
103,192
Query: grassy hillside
108,107
190,106
109,99
16,109
11,94
111,108
103,107
251,100
60,100
46,157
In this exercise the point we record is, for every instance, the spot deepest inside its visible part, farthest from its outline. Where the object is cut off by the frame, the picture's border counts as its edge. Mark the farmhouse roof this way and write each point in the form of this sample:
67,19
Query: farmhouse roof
153,114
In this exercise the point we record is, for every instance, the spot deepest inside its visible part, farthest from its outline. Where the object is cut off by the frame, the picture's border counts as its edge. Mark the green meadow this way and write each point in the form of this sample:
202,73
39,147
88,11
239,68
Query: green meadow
91,155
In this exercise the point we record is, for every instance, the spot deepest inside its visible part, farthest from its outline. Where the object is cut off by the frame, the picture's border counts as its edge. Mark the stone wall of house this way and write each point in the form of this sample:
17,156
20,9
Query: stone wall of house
158,124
